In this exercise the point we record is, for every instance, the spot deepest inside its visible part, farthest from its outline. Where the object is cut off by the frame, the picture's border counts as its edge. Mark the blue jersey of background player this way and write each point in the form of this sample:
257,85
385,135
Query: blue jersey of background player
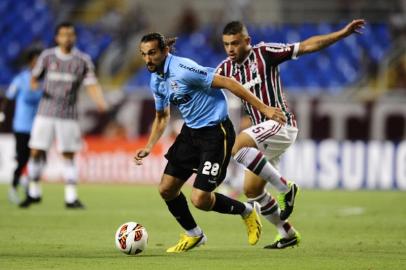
205,141
26,104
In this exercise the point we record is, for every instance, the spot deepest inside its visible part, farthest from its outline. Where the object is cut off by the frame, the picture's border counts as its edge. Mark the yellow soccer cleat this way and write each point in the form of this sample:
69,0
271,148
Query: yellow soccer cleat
187,242
253,223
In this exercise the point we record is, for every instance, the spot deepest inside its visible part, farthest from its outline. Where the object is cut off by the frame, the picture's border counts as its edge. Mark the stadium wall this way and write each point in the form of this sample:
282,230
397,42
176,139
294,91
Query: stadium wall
328,164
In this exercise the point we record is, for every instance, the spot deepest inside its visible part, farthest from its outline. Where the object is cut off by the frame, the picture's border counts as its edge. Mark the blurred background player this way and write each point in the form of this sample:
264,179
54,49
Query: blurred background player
205,142
26,104
256,67
64,69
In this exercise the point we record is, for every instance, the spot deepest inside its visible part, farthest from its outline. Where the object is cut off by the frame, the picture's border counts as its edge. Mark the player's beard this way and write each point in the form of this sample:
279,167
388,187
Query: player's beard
151,67
68,47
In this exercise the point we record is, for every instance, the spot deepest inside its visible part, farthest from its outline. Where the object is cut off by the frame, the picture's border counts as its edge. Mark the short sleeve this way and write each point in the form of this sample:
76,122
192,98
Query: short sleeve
12,90
196,75
158,91
280,52
220,69
39,67
90,75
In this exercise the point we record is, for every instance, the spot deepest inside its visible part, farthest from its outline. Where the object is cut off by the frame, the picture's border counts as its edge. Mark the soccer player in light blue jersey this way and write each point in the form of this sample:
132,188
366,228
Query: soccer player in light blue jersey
205,141
26,104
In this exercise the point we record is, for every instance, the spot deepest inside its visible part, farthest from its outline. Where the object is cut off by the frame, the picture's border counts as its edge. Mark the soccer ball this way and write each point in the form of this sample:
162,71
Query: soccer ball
131,238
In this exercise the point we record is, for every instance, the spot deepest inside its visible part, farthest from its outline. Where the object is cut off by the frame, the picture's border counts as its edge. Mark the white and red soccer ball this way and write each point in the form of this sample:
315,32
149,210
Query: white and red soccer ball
131,238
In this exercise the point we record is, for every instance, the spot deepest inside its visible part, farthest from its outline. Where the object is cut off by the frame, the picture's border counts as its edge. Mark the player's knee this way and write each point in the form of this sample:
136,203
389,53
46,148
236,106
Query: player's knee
252,191
235,149
201,201
166,193
68,155
37,154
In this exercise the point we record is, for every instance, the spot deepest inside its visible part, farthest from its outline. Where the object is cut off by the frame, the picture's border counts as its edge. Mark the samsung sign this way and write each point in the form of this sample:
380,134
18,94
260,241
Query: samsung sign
348,165
328,164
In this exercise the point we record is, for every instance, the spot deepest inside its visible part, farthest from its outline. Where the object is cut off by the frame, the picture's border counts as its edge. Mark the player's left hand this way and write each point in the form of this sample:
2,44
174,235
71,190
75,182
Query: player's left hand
275,114
2,117
140,154
355,26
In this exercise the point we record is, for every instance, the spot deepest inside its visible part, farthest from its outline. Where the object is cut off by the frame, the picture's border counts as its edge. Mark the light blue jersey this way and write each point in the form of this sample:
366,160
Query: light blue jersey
188,86
26,101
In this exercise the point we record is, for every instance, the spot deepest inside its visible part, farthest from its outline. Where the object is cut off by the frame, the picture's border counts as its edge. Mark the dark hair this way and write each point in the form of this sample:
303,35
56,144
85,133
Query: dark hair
234,28
163,42
31,54
63,25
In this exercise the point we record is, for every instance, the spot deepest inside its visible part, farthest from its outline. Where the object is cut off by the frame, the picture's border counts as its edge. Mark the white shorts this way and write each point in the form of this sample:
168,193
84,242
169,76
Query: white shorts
66,132
272,139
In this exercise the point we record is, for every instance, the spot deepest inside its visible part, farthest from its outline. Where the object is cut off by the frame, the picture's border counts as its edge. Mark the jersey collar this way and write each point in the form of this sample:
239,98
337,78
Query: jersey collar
64,56
245,59
166,65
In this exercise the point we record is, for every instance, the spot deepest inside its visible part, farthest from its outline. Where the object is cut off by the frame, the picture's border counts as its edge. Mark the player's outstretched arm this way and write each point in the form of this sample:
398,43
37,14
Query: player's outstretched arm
96,94
237,89
158,127
316,43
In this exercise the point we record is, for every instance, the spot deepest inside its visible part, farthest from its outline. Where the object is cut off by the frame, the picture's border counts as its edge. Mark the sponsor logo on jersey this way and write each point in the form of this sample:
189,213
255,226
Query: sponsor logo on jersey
253,82
179,99
174,86
253,67
61,76
192,69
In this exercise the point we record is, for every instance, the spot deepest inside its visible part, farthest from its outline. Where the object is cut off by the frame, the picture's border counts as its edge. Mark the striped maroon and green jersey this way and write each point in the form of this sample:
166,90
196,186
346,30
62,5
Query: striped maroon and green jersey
259,73
63,76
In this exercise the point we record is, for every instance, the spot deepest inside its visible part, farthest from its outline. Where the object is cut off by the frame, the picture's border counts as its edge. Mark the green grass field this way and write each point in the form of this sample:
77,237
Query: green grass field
340,230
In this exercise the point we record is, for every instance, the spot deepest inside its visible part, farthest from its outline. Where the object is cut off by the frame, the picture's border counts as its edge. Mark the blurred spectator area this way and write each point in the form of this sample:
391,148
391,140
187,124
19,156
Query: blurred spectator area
27,23
109,30
333,69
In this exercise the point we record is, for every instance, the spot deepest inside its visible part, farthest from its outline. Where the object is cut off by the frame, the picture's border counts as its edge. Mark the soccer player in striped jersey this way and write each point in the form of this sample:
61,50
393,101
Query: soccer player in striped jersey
260,147
64,69
26,105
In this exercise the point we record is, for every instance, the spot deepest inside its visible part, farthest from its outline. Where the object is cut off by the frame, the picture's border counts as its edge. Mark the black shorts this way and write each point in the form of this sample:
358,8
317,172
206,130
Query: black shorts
205,151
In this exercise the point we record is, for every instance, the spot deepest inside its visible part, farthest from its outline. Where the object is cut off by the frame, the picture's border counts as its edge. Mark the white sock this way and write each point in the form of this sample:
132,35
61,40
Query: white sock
35,168
195,231
270,210
70,175
248,209
71,194
34,190
257,163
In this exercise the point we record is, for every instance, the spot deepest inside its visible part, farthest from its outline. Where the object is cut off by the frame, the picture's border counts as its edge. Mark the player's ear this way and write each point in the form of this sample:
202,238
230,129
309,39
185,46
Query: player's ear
248,40
166,50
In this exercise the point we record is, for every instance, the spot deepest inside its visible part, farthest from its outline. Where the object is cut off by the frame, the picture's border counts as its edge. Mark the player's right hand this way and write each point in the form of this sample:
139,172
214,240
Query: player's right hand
276,114
140,154
356,26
